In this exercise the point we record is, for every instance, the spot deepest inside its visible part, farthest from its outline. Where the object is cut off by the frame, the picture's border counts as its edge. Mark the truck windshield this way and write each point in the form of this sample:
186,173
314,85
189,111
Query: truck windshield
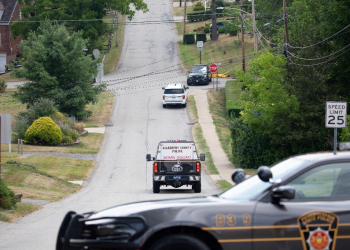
253,186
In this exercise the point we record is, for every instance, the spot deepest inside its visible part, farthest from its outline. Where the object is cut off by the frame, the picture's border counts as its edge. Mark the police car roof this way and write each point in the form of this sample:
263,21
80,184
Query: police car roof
323,156
174,86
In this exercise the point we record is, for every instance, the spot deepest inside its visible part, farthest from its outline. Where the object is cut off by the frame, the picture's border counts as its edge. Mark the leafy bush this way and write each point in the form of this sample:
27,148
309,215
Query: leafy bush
345,132
3,86
9,199
67,139
198,6
195,30
43,131
67,131
201,37
249,149
189,38
206,30
232,97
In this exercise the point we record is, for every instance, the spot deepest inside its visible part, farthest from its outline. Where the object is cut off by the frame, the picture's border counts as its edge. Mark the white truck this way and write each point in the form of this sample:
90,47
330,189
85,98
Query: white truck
176,163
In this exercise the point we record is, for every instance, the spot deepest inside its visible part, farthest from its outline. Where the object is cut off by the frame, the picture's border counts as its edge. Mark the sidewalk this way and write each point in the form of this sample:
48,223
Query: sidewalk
220,159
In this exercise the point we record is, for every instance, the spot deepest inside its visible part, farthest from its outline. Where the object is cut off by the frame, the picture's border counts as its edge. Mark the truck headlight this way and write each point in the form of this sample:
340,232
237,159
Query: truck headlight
114,232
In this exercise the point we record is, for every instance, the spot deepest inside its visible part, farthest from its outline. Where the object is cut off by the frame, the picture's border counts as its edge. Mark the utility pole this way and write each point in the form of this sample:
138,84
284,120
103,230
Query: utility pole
242,32
116,38
183,39
180,3
254,29
214,29
286,30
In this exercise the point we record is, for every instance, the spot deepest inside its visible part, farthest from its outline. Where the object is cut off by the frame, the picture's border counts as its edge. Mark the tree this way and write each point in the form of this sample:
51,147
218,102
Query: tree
57,68
76,15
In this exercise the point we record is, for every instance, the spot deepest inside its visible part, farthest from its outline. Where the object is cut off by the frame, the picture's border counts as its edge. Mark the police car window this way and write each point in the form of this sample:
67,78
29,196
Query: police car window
253,186
326,182
173,91
199,69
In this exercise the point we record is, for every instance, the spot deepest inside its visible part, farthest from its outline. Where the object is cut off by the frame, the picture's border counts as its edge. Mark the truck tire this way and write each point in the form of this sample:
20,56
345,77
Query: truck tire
179,241
156,187
197,187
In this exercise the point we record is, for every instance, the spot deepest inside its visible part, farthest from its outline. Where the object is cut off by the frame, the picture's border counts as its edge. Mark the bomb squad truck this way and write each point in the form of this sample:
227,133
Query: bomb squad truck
176,164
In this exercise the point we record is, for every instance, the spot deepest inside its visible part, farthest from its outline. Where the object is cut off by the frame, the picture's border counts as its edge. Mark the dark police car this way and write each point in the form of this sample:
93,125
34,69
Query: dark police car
199,74
301,203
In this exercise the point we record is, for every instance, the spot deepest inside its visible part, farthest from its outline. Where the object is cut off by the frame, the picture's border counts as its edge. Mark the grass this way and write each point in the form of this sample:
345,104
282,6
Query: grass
226,51
44,177
10,105
21,210
223,185
9,77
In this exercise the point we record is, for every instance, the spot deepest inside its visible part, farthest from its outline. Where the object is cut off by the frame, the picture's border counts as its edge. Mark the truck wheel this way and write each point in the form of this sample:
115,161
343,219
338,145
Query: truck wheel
179,241
164,105
156,186
197,187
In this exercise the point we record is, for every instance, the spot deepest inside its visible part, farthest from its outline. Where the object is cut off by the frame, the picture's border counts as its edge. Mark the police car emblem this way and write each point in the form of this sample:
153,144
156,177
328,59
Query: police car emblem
318,230
177,167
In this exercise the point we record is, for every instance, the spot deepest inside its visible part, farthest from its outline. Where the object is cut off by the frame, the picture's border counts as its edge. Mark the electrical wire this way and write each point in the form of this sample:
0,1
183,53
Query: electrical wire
313,59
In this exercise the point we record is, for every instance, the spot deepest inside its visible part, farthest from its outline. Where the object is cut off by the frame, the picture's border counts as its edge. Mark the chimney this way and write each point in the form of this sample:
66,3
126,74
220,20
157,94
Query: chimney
1,10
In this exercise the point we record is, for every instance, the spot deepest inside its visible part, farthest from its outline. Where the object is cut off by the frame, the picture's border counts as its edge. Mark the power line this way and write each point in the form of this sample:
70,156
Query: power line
319,58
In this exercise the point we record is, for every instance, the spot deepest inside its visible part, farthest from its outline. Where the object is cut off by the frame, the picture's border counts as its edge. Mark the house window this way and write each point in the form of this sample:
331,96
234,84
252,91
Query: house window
20,14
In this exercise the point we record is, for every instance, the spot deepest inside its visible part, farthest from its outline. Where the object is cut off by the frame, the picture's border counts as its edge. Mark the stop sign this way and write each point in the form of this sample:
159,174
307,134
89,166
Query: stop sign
213,68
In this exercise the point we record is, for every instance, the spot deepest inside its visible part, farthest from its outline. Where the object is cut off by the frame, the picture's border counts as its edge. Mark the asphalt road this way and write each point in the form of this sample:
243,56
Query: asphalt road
149,61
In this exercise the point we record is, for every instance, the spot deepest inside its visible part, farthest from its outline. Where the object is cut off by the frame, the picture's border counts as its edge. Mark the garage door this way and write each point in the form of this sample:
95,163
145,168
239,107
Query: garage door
2,62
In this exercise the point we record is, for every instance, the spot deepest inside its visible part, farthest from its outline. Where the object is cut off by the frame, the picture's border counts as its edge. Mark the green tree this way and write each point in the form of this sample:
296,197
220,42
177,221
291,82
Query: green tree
268,108
57,69
76,15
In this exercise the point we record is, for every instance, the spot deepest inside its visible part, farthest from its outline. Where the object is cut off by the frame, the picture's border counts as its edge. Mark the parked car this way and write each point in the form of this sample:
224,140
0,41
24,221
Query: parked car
199,74
175,94
300,203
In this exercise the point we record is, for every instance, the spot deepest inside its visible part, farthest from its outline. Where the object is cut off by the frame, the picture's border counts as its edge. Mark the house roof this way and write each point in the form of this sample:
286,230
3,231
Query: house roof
8,7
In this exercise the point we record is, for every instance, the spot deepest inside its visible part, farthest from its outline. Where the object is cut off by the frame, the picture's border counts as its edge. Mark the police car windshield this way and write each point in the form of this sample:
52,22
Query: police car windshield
198,69
253,186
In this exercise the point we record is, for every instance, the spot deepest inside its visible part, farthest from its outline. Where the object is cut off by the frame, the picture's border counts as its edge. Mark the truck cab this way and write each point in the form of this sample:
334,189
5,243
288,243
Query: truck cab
176,164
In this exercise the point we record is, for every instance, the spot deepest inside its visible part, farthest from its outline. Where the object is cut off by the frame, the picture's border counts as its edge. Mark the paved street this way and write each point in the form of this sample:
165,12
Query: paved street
149,61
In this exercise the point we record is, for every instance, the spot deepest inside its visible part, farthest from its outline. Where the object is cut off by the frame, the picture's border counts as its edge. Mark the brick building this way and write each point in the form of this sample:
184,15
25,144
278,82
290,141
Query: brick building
10,11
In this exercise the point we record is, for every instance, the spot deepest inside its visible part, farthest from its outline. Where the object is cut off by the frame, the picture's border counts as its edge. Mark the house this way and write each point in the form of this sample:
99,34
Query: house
10,11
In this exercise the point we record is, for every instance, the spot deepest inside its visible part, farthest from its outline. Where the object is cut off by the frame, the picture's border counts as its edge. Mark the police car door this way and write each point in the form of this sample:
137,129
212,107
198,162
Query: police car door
318,218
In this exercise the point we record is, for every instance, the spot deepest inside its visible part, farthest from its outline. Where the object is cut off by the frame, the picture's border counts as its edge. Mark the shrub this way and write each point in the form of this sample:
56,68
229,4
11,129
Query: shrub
206,30
3,86
195,30
189,38
198,6
249,149
79,127
43,131
9,199
201,37
67,139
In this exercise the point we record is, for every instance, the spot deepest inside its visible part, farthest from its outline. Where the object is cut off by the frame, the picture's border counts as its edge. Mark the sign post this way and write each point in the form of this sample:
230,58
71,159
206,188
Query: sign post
336,117
200,49
213,68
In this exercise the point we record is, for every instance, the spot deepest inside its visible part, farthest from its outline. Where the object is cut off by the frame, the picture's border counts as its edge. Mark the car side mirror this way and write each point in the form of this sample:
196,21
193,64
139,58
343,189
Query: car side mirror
238,176
163,88
202,157
187,87
264,173
283,192
148,157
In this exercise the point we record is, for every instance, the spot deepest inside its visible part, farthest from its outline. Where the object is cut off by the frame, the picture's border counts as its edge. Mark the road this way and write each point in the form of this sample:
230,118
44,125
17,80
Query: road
149,60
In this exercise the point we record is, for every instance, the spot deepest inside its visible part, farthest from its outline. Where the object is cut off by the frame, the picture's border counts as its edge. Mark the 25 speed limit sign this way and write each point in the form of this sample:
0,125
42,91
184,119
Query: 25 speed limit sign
336,114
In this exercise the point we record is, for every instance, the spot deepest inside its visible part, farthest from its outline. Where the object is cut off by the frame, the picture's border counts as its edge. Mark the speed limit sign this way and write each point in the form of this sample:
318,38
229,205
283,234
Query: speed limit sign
336,113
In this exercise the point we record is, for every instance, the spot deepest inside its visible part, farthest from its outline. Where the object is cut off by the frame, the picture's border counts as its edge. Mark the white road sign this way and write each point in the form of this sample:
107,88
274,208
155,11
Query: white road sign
200,44
336,113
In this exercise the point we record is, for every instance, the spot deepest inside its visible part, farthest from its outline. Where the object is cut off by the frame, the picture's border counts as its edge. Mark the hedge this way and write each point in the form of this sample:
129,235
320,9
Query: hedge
189,39
232,94
201,37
